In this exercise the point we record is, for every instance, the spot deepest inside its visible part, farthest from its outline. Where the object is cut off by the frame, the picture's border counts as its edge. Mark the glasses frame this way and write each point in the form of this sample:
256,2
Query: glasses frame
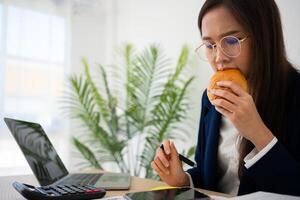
219,44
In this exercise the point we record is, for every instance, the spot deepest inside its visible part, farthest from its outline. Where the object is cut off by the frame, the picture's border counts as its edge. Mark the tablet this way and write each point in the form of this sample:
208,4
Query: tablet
168,194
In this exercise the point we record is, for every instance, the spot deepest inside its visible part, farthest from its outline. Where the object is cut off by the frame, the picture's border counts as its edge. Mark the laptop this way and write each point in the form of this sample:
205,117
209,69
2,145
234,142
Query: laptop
46,164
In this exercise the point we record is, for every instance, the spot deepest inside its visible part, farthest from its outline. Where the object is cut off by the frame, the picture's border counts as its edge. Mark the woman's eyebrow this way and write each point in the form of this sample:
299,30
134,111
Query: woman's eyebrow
222,35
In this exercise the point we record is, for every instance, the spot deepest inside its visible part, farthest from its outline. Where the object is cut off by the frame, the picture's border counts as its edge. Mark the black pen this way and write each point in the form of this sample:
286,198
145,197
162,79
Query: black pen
183,158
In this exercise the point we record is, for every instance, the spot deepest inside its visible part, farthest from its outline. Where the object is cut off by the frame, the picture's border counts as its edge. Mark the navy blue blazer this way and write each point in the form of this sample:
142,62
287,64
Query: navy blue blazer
278,171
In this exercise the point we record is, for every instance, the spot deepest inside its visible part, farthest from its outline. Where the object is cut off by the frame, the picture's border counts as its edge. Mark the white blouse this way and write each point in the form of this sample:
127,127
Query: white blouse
228,157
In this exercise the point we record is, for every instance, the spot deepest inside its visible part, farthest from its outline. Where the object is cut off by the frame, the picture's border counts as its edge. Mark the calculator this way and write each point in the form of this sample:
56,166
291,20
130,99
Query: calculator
59,192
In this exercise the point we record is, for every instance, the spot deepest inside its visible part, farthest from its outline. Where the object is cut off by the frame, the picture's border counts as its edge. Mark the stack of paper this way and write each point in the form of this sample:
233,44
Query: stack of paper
259,196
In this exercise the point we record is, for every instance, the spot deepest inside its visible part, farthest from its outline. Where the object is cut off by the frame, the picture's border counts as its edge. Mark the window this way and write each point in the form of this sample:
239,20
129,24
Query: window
33,63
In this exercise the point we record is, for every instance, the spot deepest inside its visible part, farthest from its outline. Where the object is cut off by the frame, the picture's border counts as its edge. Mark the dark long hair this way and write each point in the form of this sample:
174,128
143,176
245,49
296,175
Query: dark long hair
268,74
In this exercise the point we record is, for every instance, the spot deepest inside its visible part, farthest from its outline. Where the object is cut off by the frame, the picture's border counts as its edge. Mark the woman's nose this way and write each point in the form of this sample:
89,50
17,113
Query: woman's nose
220,57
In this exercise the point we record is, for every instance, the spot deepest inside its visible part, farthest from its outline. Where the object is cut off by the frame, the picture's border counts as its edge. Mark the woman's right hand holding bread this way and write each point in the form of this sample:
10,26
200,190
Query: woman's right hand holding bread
168,166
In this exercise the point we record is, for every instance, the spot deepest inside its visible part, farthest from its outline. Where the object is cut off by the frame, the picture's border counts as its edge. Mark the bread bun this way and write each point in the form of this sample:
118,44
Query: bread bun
226,75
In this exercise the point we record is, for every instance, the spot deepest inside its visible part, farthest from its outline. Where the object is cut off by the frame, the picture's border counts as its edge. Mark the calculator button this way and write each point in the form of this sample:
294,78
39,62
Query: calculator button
76,189
68,190
61,191
41,191
52,193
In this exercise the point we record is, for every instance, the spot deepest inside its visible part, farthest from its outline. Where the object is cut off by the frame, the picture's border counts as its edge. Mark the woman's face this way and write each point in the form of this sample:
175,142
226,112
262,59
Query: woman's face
216,24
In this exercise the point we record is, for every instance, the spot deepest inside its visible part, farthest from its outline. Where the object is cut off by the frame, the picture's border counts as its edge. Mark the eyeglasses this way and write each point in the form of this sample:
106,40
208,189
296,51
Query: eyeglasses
229,45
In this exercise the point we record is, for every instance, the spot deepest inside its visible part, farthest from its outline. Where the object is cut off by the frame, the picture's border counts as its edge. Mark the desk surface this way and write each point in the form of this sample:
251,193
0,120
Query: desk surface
7,192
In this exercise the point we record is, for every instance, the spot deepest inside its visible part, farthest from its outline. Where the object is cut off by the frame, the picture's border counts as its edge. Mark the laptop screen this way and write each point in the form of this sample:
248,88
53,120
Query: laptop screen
38,150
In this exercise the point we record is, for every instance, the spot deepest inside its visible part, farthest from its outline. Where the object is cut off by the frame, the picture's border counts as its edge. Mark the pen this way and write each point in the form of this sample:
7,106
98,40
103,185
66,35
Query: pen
183,158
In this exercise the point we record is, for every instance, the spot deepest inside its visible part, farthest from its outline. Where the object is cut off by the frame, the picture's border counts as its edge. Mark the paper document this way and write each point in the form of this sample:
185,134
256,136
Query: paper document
259,196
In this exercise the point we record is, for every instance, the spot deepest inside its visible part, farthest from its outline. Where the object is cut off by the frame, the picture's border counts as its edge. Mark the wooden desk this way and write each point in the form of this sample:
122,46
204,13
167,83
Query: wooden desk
7,192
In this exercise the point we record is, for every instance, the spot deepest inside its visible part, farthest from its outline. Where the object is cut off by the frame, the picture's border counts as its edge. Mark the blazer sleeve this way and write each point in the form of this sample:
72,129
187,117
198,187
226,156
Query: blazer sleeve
195,173
277,171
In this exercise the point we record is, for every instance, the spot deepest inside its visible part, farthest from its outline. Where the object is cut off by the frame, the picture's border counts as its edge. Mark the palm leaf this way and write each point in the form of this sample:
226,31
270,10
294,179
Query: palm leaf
112,104
155,102
87,153
85,112
97,97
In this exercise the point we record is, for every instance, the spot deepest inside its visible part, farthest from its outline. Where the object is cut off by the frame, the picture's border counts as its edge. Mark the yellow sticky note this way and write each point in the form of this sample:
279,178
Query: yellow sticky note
163,187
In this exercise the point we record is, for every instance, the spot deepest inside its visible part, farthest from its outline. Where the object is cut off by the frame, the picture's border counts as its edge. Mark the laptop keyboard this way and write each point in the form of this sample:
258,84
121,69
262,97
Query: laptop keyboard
81,179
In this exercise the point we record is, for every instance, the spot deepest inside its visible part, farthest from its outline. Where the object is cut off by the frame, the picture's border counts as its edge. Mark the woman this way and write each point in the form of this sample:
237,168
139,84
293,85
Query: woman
247,141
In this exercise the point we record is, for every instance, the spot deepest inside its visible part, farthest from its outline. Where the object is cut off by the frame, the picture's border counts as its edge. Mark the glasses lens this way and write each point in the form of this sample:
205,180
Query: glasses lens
231,46
205,51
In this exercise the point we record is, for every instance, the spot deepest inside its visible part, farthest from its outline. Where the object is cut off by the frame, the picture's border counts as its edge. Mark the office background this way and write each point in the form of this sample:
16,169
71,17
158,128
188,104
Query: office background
42,42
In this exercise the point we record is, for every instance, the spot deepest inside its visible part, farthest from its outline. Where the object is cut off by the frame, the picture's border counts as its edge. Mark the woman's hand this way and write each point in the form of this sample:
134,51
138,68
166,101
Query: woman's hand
238,106
168,166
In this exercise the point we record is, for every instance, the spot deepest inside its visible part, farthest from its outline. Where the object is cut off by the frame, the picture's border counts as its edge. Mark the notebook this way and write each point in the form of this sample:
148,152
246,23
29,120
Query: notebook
46,164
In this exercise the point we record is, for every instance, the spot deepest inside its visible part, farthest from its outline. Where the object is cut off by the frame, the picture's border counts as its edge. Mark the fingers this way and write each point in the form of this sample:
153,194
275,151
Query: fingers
224,94
156,168
223,111
160,155
173,150
233,86
167,147
223,103
172,172
160,163
161,167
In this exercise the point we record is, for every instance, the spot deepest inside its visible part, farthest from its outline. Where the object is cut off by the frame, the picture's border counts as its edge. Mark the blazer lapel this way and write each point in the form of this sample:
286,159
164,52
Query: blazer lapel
212,122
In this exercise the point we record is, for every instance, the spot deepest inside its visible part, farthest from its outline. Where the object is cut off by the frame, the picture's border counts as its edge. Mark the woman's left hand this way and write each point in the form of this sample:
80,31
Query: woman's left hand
238,106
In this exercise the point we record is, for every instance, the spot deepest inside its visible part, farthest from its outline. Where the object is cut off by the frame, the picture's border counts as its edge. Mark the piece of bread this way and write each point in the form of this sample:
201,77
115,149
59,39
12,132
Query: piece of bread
226,75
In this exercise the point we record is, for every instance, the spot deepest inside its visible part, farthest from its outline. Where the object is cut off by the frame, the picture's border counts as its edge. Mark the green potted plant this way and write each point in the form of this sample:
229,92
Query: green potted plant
127,133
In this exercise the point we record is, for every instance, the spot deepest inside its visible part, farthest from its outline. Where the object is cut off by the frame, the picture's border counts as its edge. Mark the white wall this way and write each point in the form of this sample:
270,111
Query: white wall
290,16
87,33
